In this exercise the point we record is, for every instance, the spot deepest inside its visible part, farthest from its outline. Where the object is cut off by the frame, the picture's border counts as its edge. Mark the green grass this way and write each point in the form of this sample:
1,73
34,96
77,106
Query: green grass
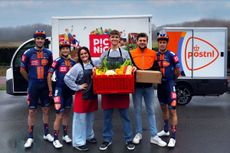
2,86
3,70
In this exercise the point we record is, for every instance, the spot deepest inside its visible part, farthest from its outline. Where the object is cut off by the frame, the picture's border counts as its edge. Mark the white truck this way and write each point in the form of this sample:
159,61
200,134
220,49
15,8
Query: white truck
89,31
202,51
203,60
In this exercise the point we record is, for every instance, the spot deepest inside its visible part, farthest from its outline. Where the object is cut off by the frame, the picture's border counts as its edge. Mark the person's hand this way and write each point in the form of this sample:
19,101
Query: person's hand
50,93
84,86
134,69
94,69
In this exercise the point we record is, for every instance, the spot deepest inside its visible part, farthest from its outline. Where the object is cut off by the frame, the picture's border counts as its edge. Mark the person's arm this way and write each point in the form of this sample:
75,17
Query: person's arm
24,66
49,77
71,77
176,64
24,74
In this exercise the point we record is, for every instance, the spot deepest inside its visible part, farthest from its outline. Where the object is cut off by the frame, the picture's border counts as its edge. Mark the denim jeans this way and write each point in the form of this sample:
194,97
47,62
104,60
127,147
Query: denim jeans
82,128
147,94
108,127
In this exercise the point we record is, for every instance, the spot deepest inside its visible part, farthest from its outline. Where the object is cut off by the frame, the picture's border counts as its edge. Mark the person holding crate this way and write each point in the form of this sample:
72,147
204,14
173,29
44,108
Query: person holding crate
79,79
115,56
170,69
145,59
63,95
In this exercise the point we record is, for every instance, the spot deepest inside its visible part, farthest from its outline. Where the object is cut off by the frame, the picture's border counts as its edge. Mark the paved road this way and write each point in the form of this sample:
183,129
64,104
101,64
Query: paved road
203,128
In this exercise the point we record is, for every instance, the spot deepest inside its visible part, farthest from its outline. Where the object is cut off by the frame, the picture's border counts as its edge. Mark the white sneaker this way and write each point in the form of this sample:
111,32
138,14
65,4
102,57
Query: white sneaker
57,144
48,137
137,138
66,138
28,143
172,143
158,141
163,133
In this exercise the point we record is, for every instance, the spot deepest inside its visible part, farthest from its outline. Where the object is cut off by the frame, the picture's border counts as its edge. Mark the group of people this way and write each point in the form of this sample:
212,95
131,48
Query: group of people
37,67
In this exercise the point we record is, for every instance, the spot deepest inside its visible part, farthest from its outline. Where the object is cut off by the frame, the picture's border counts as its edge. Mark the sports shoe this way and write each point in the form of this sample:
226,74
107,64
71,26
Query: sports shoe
172,143
82,148
158,141
105,145
130,145
93,140
29,143
48,137
137,138
163,133
57,144
66,138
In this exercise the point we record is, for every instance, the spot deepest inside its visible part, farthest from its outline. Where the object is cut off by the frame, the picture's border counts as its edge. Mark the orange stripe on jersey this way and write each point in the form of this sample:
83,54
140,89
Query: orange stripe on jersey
40,72
162,69
67,63
40,55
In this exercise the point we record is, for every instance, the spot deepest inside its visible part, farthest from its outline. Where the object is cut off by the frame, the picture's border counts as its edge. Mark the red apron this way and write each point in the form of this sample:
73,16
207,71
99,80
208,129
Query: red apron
115,101
84,106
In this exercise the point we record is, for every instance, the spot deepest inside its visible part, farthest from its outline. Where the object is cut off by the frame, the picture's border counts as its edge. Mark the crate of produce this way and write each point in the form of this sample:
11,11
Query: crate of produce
113,84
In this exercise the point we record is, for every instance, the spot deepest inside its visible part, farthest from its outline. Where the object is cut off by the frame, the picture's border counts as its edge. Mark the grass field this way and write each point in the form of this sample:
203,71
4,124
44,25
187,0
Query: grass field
2,86
3,70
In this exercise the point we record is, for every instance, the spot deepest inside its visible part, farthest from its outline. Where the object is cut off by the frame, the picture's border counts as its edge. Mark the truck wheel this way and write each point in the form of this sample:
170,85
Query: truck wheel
184,94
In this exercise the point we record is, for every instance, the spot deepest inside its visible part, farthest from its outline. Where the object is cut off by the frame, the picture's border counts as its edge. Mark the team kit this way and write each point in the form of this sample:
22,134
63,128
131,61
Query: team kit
75,77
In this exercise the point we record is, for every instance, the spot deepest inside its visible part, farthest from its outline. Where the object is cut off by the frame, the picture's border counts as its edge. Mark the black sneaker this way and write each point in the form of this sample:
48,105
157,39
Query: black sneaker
82,148
105,145
130,145
93,140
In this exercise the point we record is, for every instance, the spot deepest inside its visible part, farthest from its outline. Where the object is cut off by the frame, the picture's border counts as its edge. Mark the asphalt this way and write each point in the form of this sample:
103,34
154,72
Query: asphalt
203,128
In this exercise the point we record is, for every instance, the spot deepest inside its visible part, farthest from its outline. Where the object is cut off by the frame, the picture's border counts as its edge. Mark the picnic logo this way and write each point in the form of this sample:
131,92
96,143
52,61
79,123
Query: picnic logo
98,44
203,51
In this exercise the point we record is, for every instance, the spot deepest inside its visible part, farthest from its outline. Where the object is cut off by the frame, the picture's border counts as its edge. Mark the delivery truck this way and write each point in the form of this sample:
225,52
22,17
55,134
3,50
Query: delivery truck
202,54
202,51
89,31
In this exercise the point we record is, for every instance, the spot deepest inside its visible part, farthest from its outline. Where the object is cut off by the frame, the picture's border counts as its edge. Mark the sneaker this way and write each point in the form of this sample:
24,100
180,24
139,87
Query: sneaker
82,148
105,145
29,143
158,141
137,138
172,143
93,140
163,133
48,137
57,144
66,138
130,145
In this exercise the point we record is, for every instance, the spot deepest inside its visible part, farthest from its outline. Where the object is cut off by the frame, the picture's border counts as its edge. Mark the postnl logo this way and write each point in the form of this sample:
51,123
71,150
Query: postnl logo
204,53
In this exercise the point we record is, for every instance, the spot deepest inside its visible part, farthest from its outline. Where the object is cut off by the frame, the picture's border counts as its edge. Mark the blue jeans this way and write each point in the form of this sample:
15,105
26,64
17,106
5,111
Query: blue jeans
147,93
82,128
108,127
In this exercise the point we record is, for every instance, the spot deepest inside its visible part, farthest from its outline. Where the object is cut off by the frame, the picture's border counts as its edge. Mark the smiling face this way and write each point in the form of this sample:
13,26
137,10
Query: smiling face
39,42
84,55
65,51
114,39
162,45
142,42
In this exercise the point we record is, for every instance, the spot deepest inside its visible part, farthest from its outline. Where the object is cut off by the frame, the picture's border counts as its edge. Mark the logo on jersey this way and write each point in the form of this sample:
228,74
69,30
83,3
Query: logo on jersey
63,69
35,63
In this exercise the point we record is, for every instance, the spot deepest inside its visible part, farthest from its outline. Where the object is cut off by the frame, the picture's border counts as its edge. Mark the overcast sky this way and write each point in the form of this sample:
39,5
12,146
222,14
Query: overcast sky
23,12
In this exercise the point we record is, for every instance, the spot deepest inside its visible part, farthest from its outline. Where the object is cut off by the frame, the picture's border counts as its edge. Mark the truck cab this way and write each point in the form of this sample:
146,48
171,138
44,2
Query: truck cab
15,83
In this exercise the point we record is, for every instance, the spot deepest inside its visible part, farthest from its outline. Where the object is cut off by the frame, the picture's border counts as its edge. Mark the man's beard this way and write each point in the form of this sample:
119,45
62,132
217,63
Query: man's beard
142,47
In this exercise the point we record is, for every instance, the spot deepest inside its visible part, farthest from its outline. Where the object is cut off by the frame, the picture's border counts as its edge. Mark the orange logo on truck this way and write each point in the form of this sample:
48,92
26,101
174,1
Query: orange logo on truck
203,52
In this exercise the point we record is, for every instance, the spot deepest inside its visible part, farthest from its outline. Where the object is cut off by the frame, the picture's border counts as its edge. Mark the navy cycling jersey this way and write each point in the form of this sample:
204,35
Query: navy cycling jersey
168,61
61,66
37,63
